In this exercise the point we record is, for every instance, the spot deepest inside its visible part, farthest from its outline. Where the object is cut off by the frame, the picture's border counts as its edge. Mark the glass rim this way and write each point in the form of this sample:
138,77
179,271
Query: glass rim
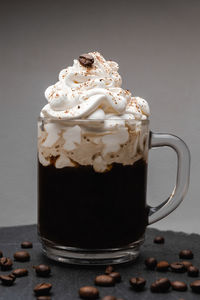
83,121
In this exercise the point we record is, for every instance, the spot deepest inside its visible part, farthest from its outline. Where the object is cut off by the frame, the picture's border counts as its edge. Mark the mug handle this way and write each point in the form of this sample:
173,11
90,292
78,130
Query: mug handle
183,174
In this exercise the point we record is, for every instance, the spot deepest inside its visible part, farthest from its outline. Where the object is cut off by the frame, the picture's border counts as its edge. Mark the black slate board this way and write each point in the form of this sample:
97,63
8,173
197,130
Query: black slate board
67,279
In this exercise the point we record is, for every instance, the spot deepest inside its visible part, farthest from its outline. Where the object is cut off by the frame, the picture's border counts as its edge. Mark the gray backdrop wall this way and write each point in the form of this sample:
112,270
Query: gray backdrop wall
157,46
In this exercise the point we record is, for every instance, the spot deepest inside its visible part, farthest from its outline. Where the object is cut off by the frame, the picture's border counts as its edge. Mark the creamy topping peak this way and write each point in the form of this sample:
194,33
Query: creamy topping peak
91,89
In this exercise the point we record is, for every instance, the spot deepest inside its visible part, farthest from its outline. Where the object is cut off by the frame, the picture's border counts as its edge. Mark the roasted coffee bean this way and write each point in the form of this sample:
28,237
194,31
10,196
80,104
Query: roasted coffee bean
12,276
177,267
1,254
186,254
159,240
195,286
86,60
7,279
179,286
109,269
22,256
42,289
44,298
88,292
162,266
137,283
20,272
116,276
104,280
26,245
109,298
193,271
6,263
42,270
187,264
161,285
150,263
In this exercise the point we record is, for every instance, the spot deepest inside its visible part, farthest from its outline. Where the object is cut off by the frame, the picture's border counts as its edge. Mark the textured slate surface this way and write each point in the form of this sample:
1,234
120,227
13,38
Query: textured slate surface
67,279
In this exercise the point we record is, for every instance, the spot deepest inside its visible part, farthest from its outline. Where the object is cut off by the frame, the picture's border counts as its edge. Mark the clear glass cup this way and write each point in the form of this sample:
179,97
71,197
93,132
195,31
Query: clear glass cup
92,180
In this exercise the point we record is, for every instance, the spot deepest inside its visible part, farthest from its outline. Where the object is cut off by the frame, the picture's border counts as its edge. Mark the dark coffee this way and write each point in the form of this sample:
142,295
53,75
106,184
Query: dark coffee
79,207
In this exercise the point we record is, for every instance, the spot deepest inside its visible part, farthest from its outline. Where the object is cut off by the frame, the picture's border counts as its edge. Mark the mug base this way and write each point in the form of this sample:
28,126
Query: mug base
78,256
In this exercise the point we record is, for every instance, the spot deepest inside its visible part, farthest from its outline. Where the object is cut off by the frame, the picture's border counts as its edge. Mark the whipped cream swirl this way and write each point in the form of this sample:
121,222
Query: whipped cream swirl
92,93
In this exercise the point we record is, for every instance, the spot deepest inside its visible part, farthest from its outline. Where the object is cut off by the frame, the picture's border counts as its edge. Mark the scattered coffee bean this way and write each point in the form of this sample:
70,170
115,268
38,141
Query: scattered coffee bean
162,266
193,271
186,254
109,269
20,272
86,60
104,280
26,245
6,263
137,283
179,286
42,270
177,267
151,263
187,264
109,298
161,285
116,276
159,240
22,256
44,298
195,286
88,292
42,289
1,254
7,279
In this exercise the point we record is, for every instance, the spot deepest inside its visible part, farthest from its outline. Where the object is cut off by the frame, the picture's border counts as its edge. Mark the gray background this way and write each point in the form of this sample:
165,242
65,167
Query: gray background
156,44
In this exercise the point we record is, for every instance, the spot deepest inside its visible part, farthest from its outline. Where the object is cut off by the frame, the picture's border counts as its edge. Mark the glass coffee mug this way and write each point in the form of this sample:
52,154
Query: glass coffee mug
92,181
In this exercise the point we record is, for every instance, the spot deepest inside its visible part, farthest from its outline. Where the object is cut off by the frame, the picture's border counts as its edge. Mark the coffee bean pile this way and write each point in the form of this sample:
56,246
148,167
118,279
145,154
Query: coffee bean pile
138,284
110,277
163,285
41,290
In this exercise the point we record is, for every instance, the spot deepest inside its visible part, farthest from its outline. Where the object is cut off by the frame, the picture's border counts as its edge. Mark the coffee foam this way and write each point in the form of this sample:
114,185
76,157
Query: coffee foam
92,93
71,146
108,134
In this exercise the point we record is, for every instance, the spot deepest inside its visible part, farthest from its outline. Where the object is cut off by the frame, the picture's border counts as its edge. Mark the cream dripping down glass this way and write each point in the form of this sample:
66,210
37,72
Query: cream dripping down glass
93,143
